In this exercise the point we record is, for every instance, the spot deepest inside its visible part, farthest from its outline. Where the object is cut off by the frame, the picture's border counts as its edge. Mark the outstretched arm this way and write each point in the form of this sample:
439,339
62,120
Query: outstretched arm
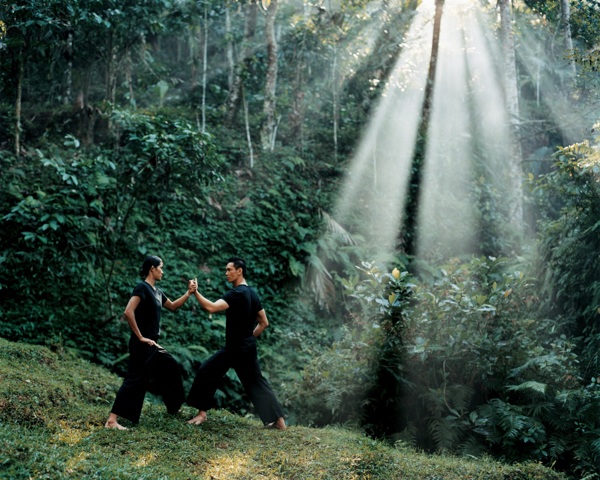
263,323
169,305
211,307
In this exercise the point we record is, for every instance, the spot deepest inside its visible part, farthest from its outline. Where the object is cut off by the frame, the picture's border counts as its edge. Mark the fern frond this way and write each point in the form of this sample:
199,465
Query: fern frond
445,432
472,447
529,385
459,397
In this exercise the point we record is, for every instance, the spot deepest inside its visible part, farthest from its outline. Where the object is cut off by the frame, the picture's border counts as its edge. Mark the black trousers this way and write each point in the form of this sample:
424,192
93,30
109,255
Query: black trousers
244,361
149,368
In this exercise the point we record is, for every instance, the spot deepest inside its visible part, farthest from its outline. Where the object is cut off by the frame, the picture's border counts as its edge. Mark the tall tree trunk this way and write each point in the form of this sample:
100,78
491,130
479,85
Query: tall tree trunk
111,72
194,33
298,107
247,124
20,77
230,56
509,62
89,113
334,101
511,93
269,125
68,91
129,77
204,69
111,87
234,98
565,21
408,235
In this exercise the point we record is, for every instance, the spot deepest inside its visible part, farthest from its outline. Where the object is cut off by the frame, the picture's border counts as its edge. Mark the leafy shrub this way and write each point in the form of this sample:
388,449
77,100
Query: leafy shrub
342,378
569,200
76,222
474,369
332,385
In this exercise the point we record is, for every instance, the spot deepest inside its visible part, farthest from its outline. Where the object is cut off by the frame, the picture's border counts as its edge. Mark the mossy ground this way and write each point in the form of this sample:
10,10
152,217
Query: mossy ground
53,408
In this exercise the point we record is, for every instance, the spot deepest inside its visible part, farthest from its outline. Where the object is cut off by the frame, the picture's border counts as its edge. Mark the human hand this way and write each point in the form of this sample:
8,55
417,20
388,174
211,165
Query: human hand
149,341
192,286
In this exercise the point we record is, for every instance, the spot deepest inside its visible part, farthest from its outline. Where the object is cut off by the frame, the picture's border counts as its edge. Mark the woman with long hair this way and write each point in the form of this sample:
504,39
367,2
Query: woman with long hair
148,361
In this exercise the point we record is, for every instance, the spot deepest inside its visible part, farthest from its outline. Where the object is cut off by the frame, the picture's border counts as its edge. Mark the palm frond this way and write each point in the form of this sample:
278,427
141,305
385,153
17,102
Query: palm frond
335,228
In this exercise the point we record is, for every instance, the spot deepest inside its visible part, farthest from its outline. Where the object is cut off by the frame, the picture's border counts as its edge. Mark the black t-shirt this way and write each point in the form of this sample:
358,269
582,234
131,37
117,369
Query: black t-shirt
244,306
147,313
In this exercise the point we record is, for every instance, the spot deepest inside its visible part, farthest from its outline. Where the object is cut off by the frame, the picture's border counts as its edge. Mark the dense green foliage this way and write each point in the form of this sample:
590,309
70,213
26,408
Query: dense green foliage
81,221
130,128
570,205
476,368
73,216
94,187
51,427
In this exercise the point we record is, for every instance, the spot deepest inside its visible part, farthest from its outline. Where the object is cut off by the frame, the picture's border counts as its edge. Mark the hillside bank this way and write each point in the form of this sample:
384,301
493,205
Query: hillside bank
53,407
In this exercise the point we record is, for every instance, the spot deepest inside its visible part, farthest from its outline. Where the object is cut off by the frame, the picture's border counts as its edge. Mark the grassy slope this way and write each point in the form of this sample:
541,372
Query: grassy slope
53,407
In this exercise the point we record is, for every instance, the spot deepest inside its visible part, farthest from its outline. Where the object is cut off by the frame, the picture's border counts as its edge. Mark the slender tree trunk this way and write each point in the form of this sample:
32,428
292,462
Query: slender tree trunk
204,69
334,95
509,62
248,135
89,113
194,40
512,105
20,77
68,92
111,72
111,87
230,56
269,126
129,77
435,47
233,101
298,107
538,78
565,21
408,235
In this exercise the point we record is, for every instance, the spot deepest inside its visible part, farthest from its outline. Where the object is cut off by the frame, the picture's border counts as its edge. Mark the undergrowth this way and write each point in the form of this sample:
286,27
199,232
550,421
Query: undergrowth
53,407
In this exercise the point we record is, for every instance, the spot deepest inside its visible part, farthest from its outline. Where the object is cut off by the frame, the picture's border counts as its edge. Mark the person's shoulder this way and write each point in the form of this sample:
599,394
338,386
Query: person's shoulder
230,292
141,289
240,290
251,291
246,288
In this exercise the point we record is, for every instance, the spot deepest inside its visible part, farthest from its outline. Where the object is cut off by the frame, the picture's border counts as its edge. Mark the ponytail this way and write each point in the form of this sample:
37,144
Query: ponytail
151,261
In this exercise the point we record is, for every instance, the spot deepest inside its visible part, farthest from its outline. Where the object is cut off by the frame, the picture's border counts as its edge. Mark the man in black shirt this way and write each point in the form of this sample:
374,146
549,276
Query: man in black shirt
245,320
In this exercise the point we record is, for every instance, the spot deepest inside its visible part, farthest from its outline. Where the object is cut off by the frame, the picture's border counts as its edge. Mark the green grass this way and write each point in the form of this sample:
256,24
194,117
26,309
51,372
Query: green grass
53,408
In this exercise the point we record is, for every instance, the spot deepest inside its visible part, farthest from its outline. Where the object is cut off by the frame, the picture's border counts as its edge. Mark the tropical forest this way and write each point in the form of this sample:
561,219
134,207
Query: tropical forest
414,186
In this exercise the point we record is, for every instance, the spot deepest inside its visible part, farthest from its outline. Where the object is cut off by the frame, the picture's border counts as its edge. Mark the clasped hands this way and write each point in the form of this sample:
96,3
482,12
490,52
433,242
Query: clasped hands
192,286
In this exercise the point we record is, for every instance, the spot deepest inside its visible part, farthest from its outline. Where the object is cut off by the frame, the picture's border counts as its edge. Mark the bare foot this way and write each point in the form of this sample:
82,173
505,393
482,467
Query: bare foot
113,424
198,419
277,425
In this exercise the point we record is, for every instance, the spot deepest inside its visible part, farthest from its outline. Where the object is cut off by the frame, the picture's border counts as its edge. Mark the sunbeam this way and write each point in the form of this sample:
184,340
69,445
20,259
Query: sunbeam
468,128
551,84
373,196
